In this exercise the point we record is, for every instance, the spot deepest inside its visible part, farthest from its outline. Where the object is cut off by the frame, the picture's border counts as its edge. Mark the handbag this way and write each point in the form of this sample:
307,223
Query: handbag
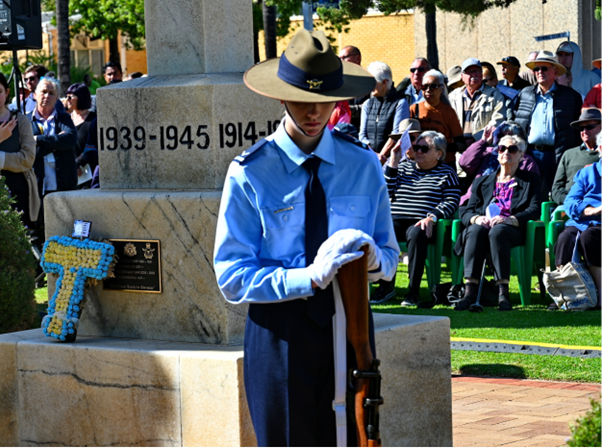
572,287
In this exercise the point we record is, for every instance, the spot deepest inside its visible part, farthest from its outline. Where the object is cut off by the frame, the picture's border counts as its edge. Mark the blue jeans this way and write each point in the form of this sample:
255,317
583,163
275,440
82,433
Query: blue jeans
546,162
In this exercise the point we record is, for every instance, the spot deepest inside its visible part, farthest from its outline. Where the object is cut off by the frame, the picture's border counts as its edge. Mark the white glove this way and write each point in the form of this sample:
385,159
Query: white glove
333,254
323,269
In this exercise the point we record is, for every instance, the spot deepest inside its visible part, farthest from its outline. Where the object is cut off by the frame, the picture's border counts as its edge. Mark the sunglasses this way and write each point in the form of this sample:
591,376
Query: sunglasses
511,149
588,127
70,97
421,148
30,79
418,69
426,87
541,68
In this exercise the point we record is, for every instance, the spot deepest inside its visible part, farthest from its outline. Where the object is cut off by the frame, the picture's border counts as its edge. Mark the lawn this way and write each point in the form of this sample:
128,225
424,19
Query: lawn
532,323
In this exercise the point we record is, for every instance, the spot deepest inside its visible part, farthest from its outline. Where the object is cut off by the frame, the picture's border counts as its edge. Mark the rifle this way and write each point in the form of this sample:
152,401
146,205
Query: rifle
353,283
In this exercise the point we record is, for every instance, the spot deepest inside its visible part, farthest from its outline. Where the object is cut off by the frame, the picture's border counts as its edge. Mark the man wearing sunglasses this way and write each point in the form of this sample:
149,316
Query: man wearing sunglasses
545,112
411,86
32,77
576,158
476,104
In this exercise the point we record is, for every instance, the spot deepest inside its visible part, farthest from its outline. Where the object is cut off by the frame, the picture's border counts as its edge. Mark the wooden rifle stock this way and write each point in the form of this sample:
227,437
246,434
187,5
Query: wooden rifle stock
353,283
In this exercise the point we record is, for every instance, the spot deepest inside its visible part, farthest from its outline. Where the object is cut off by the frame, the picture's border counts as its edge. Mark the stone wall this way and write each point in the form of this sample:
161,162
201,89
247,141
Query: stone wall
511,31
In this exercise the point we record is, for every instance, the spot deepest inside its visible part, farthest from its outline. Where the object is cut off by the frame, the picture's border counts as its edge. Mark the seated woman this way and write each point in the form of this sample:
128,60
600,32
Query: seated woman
435,114
583,206
512,197
481,158
383,112
421,193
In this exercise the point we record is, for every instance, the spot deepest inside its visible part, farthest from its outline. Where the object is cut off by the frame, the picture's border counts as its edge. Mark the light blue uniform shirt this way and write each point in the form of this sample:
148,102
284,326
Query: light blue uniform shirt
413,95
541,131
259,251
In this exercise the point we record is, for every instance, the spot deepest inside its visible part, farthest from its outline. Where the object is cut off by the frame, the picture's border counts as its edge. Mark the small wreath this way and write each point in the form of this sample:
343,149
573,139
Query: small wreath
76,262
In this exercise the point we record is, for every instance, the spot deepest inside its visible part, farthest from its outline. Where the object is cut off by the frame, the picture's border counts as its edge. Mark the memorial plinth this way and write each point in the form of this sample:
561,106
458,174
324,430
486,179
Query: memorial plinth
133,392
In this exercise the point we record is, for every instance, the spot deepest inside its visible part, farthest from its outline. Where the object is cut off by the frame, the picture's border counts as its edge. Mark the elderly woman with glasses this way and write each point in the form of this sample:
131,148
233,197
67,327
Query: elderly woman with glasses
422,192
496,217
435,114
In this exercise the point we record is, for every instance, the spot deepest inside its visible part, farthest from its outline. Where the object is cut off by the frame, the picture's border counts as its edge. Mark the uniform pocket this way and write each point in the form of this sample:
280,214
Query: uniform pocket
348,212
282,230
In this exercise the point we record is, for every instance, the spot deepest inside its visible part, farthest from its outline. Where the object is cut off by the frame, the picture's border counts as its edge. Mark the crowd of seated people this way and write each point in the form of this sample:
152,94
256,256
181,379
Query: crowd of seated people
514,141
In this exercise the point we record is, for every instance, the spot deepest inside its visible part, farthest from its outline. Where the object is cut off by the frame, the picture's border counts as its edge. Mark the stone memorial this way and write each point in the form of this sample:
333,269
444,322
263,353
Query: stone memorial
164,368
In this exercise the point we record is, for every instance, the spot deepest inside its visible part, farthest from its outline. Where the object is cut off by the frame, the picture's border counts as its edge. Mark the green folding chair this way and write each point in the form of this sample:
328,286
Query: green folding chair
524,257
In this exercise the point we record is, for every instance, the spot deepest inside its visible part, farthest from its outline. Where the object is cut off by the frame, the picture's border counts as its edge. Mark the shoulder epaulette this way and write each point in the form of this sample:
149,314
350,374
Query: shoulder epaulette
243,157
349,138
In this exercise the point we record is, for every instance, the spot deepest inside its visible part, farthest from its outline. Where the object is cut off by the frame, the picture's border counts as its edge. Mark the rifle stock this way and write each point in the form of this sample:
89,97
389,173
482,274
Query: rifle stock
353,284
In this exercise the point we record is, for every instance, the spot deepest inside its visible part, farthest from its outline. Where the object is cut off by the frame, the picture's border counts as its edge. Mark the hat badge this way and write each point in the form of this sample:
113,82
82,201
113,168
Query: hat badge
314,84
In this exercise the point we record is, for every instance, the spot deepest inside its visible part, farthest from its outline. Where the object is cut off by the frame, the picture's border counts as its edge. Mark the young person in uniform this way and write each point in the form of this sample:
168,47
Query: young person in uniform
295,208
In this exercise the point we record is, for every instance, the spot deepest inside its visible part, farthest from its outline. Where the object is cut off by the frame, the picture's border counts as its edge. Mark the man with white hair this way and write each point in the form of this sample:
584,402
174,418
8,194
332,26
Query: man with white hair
476,104
383,112
56,137
545,112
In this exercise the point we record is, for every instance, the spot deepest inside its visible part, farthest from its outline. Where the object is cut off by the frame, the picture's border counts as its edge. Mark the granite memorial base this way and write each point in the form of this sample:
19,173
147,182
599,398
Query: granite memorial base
131,392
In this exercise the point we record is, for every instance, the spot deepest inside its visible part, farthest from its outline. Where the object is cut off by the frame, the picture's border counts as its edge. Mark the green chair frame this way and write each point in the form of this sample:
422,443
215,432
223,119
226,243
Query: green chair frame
441,247
523,257
554,224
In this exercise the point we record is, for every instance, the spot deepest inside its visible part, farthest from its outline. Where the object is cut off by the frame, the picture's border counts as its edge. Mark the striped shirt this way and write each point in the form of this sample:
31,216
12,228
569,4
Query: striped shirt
414,192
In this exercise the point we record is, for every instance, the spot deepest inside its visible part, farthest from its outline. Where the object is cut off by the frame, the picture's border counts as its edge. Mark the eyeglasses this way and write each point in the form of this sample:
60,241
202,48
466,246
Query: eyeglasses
473,71
487,79
70,97
421,148
511,149
31,79
418,69
588,127
426,87
542,68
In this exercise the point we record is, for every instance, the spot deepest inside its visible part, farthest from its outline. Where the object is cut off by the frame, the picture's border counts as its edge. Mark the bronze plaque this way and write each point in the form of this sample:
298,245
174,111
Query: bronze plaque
138,268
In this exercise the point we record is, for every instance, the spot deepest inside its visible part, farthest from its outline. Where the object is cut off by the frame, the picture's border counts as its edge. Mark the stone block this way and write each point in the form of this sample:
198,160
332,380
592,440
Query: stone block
125,392
188,37
191,307
178,132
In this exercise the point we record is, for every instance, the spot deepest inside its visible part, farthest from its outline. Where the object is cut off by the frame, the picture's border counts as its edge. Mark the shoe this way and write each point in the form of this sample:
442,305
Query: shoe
465,303
504,304
381,295
552,307
411,299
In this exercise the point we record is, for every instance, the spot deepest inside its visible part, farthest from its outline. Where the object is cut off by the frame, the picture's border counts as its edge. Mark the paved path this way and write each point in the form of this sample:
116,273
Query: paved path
509,412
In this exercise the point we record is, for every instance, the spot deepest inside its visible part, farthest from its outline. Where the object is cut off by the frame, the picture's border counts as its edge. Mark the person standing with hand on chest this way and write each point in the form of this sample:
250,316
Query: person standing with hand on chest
295,208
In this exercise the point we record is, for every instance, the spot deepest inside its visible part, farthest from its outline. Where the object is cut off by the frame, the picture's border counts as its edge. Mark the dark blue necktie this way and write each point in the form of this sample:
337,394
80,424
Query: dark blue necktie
320,307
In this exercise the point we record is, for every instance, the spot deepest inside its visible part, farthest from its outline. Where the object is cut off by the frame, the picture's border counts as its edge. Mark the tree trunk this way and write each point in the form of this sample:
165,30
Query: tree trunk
114,55
432,53
269,31
63,40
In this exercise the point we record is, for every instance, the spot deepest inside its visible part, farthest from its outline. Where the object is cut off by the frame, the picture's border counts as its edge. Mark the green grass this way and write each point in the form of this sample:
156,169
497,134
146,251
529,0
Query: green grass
532,323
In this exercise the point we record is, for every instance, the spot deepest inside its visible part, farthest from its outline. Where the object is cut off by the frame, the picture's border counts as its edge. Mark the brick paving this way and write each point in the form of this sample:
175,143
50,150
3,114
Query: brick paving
511,412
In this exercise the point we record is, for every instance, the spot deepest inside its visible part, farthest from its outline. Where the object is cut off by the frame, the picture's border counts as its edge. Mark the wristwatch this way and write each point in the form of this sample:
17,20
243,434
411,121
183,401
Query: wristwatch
432,216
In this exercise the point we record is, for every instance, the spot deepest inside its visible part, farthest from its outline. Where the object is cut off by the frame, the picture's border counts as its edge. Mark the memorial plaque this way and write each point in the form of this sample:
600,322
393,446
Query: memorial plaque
138,267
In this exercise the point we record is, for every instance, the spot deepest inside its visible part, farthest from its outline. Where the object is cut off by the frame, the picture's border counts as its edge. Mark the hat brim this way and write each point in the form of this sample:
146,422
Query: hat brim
507,63
454,80
561,68
263,79
575,124
597,63
396,137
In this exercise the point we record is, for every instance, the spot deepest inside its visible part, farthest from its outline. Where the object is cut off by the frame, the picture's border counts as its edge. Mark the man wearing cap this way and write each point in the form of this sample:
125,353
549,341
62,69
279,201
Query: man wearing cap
545,112
576,158
569,55
295,208
510,68
476,104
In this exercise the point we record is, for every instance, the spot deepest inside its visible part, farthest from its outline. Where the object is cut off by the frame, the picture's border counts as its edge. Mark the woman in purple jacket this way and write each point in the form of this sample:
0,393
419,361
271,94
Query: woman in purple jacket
480,159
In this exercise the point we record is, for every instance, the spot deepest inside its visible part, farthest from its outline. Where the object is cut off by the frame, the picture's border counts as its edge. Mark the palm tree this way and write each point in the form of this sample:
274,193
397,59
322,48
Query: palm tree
63,39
